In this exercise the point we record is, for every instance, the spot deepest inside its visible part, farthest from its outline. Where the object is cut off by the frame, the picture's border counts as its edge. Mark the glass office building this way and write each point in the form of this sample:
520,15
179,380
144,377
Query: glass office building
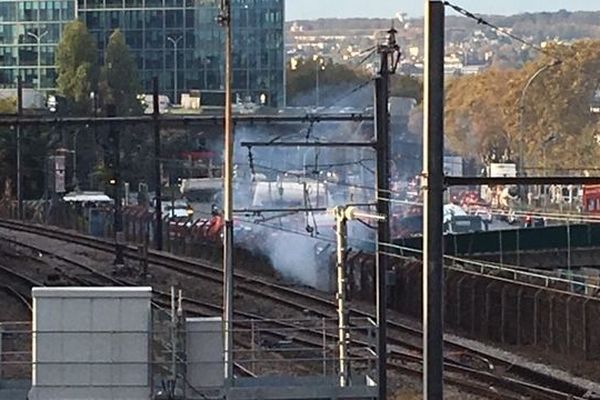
180,42
29,33
177,40
258,52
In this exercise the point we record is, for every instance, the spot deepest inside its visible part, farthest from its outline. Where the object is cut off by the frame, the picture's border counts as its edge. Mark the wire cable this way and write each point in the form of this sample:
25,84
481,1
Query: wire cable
482,21
410,250
531,272
369,55
349,93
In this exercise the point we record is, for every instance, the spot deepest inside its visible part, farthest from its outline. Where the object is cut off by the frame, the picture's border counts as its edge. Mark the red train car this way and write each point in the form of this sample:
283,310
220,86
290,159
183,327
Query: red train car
591,199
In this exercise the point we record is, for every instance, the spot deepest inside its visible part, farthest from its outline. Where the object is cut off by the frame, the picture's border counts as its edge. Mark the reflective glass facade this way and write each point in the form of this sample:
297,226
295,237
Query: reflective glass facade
29,33
169,37
166,37
258,52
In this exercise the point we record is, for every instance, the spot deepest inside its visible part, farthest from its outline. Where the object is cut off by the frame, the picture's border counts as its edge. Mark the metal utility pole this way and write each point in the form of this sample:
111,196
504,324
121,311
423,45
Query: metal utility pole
118,216
38,38
19,172
74,152
433,187
173,337
341,231
342,215
174,42
158,234
225,21
389,60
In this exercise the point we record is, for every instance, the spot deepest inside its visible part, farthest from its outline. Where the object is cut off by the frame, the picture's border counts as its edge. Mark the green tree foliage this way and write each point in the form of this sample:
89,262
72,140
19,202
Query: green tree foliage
7,106
483,113
406,86
33,147
120,79
77,64
336,80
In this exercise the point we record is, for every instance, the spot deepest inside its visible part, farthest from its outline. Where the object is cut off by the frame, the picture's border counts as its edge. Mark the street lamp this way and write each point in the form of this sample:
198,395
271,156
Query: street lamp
174,42
94,101
38,39
522,108
318,67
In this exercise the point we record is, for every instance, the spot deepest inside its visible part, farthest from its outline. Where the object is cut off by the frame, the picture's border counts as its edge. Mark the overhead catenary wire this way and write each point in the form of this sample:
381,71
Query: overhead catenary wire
482,21
565,217
410,250
349,93
368,56
368,49
416,252
533,213
359,163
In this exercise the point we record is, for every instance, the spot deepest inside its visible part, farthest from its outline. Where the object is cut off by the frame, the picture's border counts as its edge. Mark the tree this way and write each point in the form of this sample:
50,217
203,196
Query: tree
120,79
475,121
337,80
7,105
33,148
77,65
484,117
406,86
334,81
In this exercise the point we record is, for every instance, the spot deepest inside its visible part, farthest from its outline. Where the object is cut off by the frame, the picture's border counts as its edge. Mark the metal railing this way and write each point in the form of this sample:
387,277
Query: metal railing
292,348
516,273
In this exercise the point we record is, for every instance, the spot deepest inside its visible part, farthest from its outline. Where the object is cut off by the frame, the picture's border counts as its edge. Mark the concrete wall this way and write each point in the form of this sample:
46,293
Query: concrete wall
204,348
91,343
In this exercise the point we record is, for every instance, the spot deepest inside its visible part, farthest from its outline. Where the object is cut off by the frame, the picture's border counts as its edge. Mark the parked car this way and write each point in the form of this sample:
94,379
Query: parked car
176,209
465,224
530,221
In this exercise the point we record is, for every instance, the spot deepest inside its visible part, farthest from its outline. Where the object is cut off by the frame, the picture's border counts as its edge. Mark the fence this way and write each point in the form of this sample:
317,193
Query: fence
289,349
483,300
183,236
544,314
515,240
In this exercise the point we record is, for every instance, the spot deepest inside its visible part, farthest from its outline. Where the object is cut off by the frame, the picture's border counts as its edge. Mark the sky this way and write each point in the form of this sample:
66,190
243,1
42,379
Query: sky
312,9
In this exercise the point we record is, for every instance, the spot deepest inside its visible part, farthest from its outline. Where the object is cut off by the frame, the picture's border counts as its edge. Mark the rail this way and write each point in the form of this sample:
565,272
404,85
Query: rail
294,298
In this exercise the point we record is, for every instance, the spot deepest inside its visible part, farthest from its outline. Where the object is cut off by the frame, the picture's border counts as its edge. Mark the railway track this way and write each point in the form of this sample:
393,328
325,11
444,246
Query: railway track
404,363
522,381
161,298
15,287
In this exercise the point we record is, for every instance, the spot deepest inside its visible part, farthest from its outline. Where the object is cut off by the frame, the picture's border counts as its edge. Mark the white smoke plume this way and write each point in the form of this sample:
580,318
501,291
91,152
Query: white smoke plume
299,245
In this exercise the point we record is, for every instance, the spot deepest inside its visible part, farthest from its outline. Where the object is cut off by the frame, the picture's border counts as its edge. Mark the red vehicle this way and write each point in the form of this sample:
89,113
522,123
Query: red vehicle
475,205
591,199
